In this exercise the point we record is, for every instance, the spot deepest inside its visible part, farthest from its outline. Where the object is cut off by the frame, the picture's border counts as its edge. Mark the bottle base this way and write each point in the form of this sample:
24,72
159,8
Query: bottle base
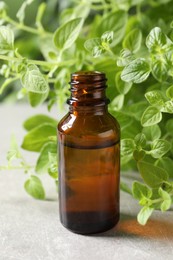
84,224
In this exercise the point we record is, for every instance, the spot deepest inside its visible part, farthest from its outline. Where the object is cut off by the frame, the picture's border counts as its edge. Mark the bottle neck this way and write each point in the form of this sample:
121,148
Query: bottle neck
88,92
81,110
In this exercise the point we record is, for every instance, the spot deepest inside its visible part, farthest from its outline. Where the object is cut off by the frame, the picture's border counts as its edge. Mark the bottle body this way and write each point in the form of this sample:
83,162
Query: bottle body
89,165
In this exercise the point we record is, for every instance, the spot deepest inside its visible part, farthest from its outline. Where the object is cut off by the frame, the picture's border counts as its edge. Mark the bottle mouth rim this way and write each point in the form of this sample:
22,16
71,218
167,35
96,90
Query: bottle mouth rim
88,76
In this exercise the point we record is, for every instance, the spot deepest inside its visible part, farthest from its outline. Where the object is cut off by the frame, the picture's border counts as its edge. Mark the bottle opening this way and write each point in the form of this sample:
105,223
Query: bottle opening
88,89
88,77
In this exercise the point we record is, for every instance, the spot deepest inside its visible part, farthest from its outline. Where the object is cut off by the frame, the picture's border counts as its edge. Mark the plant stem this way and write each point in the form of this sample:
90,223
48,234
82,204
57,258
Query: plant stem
7,82
25,27
7,167
8,58
37,62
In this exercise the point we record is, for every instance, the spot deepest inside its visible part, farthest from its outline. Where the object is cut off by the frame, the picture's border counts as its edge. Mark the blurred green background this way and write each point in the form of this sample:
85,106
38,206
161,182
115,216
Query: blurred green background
30,41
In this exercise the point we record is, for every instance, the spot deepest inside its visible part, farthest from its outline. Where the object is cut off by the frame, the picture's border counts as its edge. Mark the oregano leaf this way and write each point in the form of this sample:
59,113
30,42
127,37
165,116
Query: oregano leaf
21,12
155,98
168,107
160,69
124,187
126,57
152,132
66,35
6,39
127,147
159,148
38,136
140,190
167,201
140,140
43,162
33,80
167,164
133,40
34,187
156,40
152,175
151,116
122,86
107,37
144,215
137,71
114,21
91,43
169,92
36,120
13,152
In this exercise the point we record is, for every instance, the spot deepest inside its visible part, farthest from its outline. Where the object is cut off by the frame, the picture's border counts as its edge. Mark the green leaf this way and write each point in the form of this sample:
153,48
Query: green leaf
157,40
36,99
155,98
115,21
169,92
122,86
133,40
140,140
160,69
169,126
5,84
144,215
33,80
166,163
141,191
139,155
6,39
35,121
136,109
168,107
137,71
34,187
107,37
13,152
166,204
40,13
97,51
152,132
151,116
5,71
53,165
159,148
43,162
66,35
152,175
125,58
124,187
21,12
127,147
124,120
117,102
38,136
94,46
91,43
164,194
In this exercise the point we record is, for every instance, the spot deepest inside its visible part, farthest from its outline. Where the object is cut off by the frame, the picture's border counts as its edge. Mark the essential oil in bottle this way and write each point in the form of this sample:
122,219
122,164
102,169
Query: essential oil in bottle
89,158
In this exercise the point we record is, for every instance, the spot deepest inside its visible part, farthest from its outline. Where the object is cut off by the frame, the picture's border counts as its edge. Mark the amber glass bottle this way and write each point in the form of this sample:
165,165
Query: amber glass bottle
89,158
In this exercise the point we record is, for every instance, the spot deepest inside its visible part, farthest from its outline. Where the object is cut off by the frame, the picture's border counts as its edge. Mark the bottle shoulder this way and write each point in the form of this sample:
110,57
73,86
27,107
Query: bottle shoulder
100,125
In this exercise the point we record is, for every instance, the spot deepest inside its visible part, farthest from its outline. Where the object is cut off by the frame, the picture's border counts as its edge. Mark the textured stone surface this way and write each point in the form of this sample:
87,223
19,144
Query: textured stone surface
30,229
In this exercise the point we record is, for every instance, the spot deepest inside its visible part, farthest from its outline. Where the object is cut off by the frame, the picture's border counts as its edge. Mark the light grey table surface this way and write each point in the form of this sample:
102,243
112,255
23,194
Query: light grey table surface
30,229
